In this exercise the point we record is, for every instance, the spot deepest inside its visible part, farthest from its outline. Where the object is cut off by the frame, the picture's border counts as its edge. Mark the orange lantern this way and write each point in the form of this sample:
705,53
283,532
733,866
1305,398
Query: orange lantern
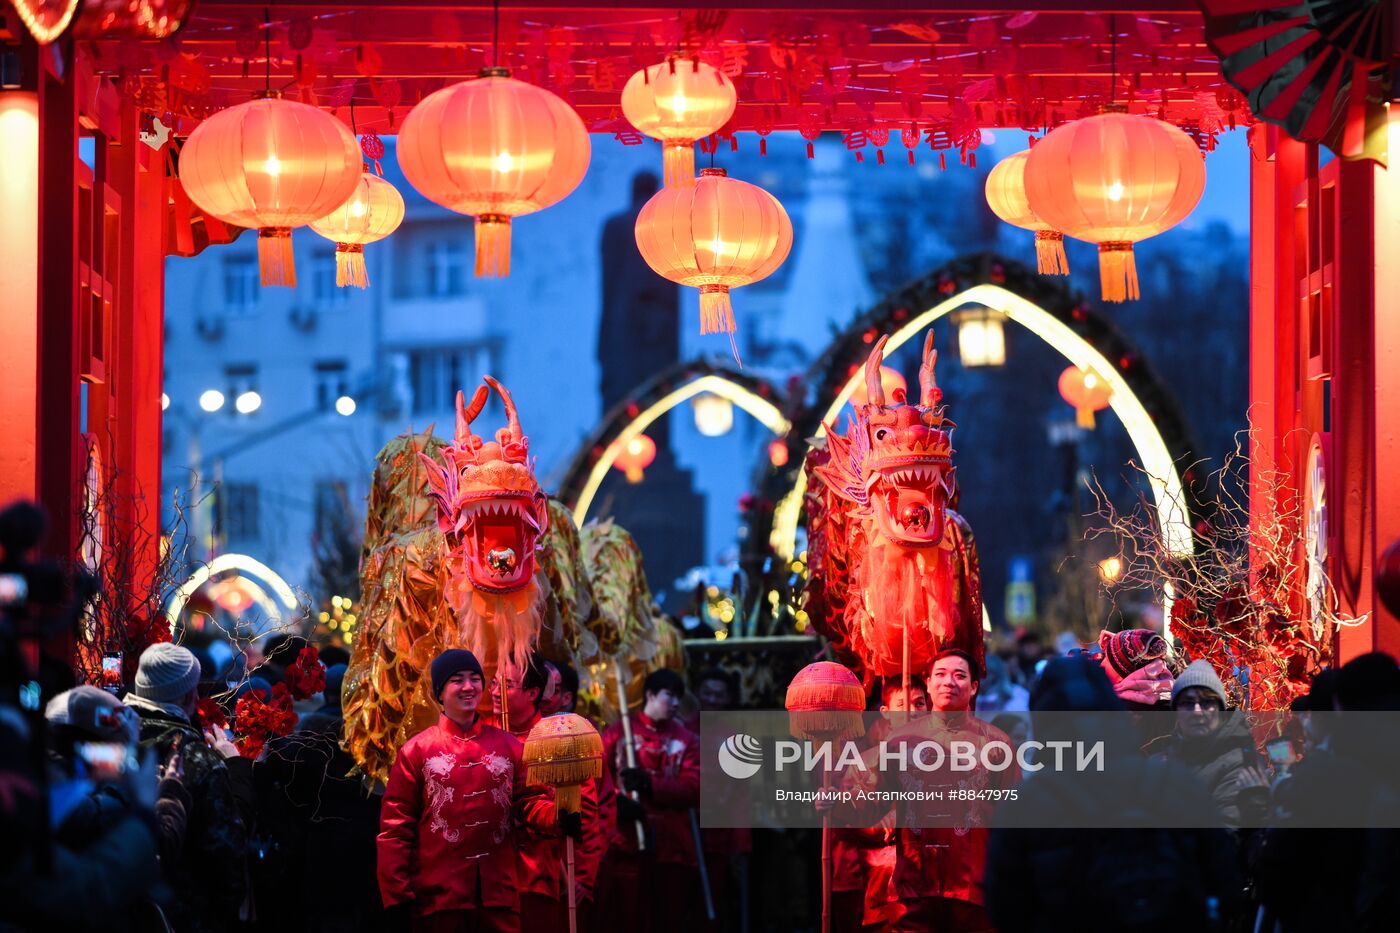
891,381
1115,179
272,165
493,148
564,752
678,102
636,455
1006,196
716,235
1087,391
373,212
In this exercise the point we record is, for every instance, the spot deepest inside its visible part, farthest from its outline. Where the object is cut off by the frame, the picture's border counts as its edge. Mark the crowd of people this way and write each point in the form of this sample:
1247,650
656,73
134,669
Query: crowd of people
159,822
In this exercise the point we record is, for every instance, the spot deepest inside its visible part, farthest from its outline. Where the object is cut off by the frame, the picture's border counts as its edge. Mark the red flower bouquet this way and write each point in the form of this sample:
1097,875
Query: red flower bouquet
306,676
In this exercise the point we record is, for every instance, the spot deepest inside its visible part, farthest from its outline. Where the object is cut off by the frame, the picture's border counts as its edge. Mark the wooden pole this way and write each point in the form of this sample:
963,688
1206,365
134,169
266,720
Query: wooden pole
627,743
569,880
826,850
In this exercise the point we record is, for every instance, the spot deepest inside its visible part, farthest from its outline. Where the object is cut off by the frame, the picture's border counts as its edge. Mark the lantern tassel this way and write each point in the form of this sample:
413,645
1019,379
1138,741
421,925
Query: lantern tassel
1050,258
350,265
275,259
679,161
1084,418
717,315
1118,272
492,246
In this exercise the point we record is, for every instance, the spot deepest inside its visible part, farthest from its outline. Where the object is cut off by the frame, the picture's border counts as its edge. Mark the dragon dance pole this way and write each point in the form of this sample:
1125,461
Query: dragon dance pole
704,870
569,879
826,857
627,744
905,668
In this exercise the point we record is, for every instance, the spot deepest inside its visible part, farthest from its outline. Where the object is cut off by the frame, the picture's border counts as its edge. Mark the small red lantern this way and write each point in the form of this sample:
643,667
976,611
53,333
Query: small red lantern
636,455
892,382
1087,391
825,702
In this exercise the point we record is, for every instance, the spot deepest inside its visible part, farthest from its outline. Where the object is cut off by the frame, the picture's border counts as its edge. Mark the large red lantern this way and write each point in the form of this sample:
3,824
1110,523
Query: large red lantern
714,236
493,148
679,101
1087,391
1115,179
271,165
1006,196
893,385
373,212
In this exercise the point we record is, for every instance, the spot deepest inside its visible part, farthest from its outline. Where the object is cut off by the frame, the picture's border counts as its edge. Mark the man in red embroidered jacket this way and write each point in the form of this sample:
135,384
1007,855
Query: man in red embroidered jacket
544,903
658,888
446,833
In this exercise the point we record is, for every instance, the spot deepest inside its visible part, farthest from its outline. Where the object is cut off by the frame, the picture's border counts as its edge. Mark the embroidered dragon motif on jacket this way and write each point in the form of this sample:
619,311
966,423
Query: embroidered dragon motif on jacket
886,549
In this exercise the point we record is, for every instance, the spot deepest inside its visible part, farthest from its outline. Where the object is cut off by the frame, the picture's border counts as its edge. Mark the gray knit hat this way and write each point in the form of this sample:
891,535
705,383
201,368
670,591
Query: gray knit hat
1199,674
166,673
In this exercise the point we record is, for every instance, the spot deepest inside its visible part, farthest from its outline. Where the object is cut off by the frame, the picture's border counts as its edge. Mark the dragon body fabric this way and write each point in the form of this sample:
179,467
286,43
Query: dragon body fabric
888,555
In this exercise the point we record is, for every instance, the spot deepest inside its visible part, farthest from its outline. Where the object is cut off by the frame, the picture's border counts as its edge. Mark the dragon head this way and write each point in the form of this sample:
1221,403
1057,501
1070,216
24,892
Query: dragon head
489,505
895,460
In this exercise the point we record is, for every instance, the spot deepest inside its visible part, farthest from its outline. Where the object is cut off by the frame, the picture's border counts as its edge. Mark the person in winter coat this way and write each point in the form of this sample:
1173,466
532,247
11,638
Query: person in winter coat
1217,746
646,890
447,851
1086,852
210,876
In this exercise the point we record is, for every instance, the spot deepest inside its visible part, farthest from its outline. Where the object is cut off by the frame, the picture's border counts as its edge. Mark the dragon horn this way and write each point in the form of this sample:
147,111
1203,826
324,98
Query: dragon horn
509,403
928,387
874,390
466,415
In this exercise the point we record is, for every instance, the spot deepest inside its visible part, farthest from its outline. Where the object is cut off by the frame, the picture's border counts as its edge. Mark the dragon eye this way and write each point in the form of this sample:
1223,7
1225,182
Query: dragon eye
881,433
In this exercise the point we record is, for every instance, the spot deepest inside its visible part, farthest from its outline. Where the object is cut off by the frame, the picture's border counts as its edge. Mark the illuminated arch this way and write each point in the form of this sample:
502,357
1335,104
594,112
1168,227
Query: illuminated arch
1047,309
261,578
653,399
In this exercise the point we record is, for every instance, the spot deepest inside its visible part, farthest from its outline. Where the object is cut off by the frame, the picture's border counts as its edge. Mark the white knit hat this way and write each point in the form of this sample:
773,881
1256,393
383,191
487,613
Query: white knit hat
1199,674
166,673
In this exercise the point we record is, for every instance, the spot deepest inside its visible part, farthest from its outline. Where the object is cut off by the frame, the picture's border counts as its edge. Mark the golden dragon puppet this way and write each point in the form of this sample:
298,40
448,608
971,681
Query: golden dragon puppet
889,557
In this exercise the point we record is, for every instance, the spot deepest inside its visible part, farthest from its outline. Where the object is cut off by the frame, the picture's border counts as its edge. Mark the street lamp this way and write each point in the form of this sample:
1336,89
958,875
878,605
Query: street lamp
248,402
164,402
345,405
714,416
981,338
211,400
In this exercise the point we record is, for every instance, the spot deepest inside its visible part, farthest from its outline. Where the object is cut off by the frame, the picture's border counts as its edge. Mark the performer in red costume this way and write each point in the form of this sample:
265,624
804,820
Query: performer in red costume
658,888
544,903
447,852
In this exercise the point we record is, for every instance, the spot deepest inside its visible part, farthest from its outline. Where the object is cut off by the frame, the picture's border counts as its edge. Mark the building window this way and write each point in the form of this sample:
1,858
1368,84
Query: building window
326,292
240,378
332,381
436,373
237,512
332,504
241,284
445,274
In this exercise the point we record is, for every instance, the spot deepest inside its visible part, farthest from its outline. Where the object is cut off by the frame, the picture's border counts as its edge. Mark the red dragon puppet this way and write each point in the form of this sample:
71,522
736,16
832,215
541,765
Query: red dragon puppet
894,570
492,512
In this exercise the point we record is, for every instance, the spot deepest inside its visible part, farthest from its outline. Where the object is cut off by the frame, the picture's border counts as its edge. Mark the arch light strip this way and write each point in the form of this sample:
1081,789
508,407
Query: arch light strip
765,411
1152,450
222,564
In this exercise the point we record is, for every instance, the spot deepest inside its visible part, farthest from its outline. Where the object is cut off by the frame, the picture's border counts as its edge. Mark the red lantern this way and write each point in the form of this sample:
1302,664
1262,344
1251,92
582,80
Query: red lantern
717,235
1115,179
825,701
636,455
1006,196
892,381
272,165
1087,391
678,102
493,148
373,212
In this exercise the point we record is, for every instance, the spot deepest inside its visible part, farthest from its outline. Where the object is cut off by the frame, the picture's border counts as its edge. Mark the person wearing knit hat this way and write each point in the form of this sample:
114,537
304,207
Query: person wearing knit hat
454,792
167,673
1216,745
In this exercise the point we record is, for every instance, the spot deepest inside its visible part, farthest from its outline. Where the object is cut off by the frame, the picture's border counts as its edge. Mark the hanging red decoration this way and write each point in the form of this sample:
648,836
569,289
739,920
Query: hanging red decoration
493,148
679,101
271,165
825,701
1115,179
893,386
1087,391
1006,196
717,235
373,212
635,456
